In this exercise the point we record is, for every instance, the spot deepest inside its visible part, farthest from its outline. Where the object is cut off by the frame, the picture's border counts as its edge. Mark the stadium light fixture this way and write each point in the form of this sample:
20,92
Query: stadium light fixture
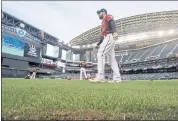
22,25
171,31
94,44
161,33
121,39
143,36
134,37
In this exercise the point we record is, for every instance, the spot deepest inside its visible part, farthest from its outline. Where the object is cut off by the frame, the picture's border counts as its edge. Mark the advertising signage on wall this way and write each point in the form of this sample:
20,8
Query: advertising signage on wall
12,45
52,51
31,51
19,33
48,62
16,41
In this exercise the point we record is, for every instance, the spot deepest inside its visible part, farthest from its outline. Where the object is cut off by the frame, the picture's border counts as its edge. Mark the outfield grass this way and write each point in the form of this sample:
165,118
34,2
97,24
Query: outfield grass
64,99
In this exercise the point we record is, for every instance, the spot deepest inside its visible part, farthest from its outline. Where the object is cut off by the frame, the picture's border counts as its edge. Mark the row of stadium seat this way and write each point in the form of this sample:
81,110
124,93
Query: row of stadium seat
151,76
154,52
150,66
146,76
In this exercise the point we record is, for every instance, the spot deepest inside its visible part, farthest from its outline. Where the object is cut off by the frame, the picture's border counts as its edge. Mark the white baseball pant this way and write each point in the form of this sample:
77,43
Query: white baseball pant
83,71
33,75
107,49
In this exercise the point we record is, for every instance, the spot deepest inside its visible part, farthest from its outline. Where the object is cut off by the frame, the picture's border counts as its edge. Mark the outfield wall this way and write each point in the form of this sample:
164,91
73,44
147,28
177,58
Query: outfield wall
18,49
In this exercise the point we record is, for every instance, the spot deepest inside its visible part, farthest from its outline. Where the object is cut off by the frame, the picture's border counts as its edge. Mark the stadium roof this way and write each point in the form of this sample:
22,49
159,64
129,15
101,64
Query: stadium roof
134,28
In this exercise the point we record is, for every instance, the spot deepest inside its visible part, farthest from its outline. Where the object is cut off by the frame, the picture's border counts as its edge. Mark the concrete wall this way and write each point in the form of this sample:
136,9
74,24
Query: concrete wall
13,63
14,68
13,73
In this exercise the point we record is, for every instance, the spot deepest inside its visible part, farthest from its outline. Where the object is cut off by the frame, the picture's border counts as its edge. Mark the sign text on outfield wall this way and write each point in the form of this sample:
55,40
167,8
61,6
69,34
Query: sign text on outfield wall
19,32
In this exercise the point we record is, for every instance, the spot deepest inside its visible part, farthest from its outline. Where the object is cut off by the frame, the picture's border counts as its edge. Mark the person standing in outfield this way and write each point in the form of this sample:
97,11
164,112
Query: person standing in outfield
106,47
83,70
33,76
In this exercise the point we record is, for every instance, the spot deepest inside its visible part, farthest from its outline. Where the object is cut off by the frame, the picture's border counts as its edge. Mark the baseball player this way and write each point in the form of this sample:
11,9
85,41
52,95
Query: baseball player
106,47
83,70
33,76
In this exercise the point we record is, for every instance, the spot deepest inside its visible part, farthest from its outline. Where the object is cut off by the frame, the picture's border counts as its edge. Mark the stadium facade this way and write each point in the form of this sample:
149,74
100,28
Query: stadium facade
148,43
26,48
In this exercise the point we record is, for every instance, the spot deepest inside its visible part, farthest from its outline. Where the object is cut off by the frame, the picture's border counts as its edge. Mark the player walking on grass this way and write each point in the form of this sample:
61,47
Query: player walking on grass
106,47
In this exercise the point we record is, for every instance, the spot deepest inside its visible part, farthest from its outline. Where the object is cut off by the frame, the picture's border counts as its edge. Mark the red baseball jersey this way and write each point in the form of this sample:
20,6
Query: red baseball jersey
105,25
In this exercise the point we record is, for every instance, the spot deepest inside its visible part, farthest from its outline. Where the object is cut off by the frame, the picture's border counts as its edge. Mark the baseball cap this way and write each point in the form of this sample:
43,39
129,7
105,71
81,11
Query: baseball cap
102,10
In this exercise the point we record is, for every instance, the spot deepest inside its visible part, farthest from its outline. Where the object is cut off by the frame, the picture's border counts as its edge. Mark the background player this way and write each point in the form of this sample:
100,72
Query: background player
107,45
83,70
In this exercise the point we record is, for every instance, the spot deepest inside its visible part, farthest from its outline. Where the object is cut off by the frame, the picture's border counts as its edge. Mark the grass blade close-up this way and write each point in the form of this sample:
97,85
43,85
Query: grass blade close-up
72,99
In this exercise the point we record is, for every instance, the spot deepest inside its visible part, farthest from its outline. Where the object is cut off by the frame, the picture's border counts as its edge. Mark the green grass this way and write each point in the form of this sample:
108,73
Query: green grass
64,99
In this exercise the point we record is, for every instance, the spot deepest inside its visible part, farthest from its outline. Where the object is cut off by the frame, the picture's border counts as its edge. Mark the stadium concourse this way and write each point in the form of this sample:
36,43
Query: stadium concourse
147,49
